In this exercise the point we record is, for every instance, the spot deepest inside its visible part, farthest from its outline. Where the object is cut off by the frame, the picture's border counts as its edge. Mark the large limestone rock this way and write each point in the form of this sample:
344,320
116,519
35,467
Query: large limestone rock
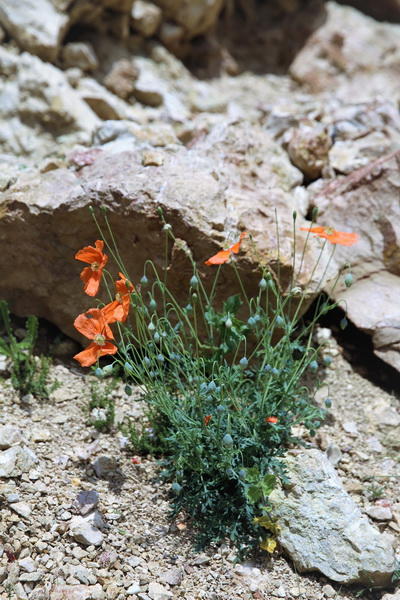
195,16
351,55
322,529
36,25
37,104
367,201
385,10
231,180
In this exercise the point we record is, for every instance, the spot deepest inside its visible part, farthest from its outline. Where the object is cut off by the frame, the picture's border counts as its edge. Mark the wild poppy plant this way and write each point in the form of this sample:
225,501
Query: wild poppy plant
91,276
334,237
93,325
224,255
118,309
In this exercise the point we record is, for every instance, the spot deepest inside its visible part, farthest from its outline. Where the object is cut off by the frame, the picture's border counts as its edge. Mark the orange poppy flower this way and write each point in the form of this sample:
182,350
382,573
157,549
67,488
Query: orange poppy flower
224,255
118,310
271,419
93,325
334,237
91,276
207,419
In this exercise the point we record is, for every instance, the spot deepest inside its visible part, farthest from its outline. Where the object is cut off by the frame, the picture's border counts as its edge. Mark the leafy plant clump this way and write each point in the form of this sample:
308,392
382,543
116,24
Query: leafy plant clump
222,381
102,406
29,373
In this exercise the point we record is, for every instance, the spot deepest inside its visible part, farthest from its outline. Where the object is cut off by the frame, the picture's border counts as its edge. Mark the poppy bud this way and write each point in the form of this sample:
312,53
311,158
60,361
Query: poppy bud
328,402
243,362
107,370
313,365
151,326
152,304
194,282
228,323
227,440
147,361
348,280
279,321
212,386
160,358
176,488
251,321
156,337
343,323
262,284
294,214
167,227
99,373
128,390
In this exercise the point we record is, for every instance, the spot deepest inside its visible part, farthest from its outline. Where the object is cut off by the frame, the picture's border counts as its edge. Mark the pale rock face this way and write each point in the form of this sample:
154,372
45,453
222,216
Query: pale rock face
366,201
230,170
146,17
80,55
35,24
195,16
352,56
322,529
9,436
86,530
15,461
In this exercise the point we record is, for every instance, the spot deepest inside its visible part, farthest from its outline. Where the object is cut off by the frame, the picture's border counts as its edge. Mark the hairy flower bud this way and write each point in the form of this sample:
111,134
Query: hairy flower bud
227,440
348,280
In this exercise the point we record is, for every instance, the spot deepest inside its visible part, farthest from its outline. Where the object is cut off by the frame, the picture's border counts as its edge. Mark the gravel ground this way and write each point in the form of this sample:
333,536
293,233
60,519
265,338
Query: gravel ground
142,554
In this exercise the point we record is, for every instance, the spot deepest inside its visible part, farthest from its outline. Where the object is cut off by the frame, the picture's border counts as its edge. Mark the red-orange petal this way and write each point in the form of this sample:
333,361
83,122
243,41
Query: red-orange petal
114,311
123,285
334,237
91,280
218,259
271,419
343,238
93,352
223,255
93,322
90,254
317,230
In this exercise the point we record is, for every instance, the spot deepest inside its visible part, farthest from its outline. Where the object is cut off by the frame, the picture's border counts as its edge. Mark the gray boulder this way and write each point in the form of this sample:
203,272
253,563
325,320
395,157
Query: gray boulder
232,180
36,25
366,201
15,461
322,529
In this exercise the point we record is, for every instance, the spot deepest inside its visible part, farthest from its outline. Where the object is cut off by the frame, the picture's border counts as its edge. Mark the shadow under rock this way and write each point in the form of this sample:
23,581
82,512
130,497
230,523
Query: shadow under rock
261,36
358,350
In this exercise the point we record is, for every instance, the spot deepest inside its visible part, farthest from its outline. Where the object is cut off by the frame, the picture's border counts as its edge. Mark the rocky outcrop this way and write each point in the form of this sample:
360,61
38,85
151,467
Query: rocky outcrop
322,529
36,25
386,10
195,17
352,56
234,179
366,201
38,104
